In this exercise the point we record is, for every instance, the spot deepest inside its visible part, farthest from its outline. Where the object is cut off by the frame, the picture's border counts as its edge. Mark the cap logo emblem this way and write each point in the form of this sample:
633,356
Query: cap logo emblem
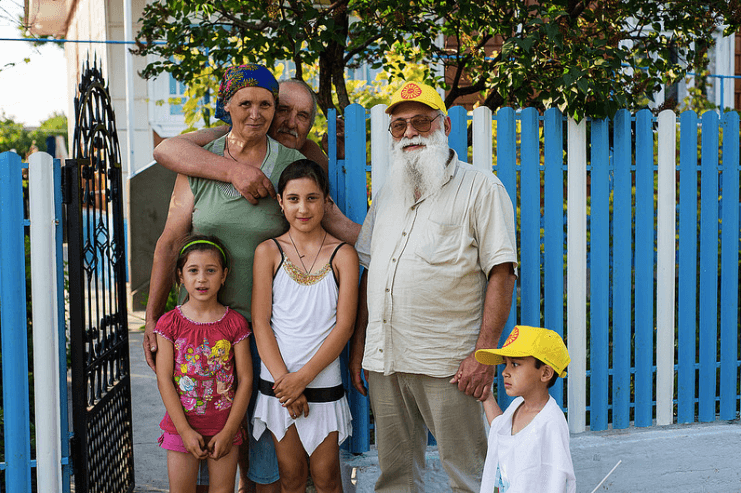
512,337
411,91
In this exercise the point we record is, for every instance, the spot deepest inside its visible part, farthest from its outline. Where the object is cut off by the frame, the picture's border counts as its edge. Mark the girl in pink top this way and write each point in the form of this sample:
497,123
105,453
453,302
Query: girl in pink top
204,372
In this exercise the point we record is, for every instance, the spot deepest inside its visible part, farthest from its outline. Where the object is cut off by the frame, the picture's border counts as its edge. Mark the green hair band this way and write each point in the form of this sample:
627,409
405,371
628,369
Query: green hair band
205,242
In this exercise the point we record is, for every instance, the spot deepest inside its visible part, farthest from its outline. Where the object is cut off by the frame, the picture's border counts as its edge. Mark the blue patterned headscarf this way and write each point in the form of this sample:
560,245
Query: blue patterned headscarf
239,76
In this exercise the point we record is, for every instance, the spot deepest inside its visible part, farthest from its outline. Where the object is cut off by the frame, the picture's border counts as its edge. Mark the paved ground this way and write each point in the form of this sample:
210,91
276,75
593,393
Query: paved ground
680,458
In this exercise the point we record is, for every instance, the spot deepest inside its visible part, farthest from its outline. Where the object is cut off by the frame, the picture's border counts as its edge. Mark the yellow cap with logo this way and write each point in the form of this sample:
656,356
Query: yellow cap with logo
543,344
421,93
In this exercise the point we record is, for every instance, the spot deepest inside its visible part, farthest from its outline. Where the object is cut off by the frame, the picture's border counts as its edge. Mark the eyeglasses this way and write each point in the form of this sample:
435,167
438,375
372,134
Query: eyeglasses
420,124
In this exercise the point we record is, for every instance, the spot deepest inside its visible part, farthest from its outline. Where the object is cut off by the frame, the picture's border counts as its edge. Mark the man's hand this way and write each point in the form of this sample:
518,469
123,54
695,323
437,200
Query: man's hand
473,378
250,182
356,369
149,344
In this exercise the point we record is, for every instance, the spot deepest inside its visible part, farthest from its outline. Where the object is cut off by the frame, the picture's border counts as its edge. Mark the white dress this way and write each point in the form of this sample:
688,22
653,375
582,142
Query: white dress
304,313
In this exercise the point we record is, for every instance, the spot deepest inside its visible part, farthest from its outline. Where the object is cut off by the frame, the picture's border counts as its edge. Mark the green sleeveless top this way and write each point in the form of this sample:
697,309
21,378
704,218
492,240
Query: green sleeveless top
221,211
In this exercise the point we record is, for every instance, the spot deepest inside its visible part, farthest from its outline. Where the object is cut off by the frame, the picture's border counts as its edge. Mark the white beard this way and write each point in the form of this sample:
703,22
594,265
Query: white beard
419,171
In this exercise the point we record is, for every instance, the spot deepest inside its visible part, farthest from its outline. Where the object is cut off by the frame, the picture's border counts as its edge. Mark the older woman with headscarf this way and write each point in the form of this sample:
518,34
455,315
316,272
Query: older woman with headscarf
247,101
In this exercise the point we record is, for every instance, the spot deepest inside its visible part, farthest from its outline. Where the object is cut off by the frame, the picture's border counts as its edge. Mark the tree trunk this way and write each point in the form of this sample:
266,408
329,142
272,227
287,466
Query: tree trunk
332,65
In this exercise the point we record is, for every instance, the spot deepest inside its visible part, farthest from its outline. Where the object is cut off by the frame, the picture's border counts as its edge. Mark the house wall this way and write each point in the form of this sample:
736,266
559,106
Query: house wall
86,22
147,188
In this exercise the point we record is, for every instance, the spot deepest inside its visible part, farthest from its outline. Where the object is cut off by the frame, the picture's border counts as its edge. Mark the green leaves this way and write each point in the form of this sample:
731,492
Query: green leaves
588,59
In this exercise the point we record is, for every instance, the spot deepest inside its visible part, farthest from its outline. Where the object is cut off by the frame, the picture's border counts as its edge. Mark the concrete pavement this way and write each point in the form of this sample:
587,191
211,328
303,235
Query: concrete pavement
697,457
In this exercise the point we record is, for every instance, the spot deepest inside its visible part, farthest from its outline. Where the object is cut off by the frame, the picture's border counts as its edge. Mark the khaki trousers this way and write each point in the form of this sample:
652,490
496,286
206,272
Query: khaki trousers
404,406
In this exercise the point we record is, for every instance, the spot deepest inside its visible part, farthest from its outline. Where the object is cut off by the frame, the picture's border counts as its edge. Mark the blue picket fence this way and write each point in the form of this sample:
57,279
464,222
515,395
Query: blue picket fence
652,324
16,409
627,257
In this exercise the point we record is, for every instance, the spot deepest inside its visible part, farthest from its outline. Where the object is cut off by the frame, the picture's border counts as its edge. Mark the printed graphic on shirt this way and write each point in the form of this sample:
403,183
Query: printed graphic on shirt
501,483
196,370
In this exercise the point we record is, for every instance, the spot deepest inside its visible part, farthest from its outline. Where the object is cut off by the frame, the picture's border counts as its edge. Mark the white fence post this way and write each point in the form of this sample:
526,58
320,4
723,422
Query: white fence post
44,312
380,154
576,273
665,267
482,145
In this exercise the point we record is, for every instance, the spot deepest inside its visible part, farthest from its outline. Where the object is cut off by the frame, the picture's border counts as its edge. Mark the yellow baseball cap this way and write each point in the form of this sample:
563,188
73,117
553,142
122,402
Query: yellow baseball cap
421,93
543,344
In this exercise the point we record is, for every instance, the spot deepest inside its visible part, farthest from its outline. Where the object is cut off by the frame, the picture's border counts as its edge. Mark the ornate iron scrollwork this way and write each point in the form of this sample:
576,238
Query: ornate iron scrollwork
103,445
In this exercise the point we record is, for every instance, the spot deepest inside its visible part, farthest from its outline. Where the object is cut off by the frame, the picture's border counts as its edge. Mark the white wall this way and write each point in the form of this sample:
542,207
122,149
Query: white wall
143,142
87,22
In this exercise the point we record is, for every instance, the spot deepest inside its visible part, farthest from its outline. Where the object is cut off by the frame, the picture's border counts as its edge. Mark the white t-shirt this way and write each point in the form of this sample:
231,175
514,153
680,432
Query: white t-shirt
536,459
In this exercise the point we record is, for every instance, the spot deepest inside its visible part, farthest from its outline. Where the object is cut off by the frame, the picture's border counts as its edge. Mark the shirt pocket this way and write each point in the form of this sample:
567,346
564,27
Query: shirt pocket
440,243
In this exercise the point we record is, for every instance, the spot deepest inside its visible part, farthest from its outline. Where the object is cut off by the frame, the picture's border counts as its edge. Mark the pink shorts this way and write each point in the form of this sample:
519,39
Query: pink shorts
172,441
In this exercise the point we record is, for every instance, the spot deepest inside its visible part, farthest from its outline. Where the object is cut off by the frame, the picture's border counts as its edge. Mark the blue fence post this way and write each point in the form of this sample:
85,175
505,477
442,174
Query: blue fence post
507,173
687,268
553,230
14,327
599,278
729,267
356,196
708,295
458,138
356,158
644,268
529,218
621,284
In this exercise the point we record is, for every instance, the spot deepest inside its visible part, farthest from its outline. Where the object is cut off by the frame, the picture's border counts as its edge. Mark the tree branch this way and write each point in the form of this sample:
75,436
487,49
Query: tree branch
259,26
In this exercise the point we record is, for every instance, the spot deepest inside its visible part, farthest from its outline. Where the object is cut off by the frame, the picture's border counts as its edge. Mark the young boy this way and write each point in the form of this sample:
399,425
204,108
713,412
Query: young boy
529,442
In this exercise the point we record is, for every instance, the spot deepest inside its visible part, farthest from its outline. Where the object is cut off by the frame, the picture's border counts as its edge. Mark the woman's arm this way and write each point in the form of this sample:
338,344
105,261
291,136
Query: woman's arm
221,443
262,308
179,222
291,385
184,154
192,440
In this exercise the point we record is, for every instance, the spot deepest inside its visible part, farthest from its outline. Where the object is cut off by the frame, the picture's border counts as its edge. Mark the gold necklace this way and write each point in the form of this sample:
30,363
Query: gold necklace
301,257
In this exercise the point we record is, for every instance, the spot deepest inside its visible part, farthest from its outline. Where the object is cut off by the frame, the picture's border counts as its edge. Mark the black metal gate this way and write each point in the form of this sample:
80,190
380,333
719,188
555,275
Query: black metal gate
102,446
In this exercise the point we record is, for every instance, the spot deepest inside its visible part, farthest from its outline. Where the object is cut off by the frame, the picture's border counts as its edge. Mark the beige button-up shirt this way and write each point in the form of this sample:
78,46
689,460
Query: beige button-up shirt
428,267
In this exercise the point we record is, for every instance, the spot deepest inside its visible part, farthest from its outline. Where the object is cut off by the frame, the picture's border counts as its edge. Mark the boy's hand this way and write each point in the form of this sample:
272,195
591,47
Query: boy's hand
220,445
298,407
194,443
289,387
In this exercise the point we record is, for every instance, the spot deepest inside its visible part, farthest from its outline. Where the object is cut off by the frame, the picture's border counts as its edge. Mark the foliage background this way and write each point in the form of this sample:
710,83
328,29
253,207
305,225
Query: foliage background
584,58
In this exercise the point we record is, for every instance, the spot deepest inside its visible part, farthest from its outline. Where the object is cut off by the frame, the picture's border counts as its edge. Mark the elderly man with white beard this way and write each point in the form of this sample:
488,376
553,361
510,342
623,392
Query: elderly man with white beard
440,251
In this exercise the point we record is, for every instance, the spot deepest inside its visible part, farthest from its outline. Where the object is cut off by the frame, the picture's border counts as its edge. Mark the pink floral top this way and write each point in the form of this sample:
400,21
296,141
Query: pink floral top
204,367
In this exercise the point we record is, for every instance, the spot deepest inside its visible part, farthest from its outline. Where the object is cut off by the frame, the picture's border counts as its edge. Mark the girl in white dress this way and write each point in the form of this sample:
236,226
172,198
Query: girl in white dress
303,312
